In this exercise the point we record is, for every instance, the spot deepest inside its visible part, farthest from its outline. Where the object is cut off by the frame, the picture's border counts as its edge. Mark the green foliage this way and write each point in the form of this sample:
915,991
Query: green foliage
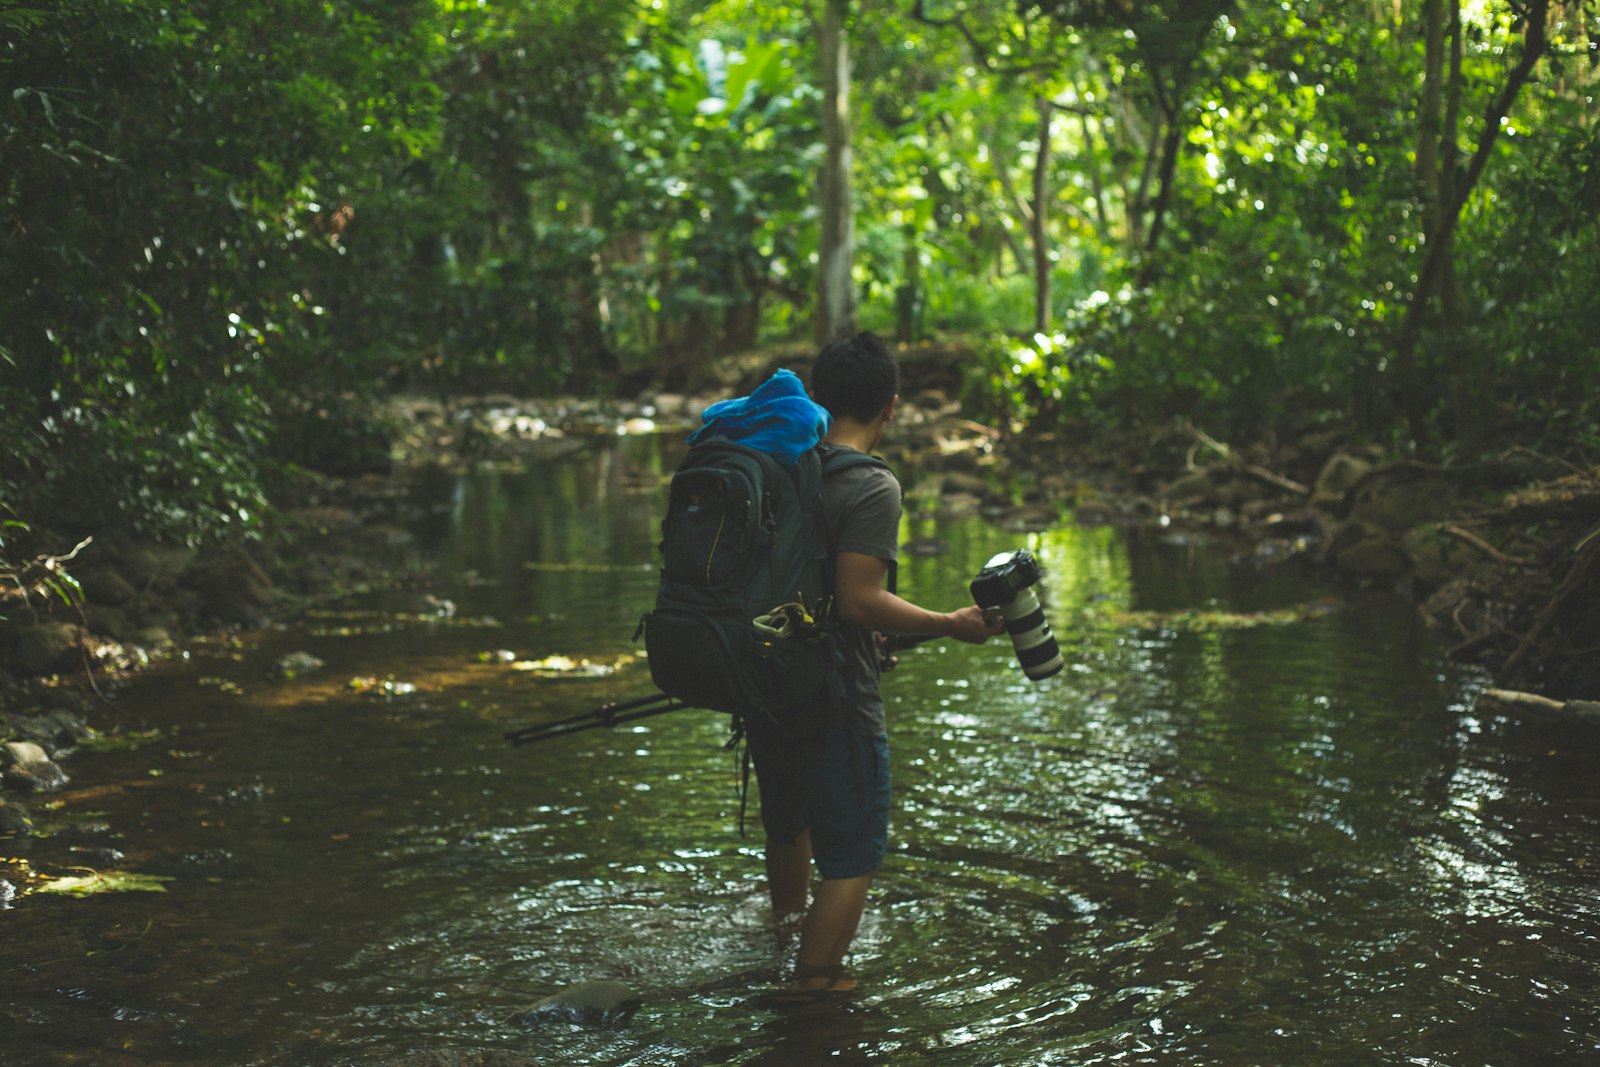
227,225
1294,230
171,477
1532,264
165,202
722,145
1041,380
487,240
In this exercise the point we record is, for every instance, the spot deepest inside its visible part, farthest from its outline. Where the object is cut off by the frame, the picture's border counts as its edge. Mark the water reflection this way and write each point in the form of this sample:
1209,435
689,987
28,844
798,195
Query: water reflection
1231,831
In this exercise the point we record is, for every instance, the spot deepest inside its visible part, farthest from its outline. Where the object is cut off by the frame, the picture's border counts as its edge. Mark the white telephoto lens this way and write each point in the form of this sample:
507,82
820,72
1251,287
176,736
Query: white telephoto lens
1035,645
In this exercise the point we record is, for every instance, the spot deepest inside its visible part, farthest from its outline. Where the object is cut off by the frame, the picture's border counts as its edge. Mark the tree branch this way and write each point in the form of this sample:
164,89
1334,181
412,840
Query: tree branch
1452,530
1259,473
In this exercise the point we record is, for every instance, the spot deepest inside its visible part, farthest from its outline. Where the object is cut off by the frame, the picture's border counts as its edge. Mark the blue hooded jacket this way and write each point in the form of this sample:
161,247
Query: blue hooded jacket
777,418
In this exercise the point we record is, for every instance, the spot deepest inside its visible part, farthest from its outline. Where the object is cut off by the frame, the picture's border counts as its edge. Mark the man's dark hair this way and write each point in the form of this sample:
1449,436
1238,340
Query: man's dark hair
854,377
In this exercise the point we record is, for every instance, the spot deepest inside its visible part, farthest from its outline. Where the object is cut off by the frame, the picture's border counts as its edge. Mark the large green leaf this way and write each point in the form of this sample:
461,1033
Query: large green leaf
83,885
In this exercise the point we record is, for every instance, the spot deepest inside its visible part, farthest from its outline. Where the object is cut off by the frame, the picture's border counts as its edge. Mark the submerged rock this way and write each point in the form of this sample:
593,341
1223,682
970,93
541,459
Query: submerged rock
29,770
53,730
597,1001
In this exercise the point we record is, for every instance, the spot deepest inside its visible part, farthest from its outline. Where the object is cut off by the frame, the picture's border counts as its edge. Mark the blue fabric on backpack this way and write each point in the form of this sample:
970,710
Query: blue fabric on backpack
777,418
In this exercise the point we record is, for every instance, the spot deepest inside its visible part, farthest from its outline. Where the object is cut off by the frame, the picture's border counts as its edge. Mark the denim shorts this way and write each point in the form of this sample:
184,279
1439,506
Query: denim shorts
837,786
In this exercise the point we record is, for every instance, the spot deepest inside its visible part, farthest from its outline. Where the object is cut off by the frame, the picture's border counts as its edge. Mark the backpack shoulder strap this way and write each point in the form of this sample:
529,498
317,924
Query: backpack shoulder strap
808,471
836,460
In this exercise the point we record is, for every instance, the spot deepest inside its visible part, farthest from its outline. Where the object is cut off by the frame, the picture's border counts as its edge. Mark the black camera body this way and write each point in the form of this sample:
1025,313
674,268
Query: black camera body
1006,582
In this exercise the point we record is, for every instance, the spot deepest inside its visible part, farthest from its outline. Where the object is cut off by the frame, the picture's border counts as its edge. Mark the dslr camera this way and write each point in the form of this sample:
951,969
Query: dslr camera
1006,582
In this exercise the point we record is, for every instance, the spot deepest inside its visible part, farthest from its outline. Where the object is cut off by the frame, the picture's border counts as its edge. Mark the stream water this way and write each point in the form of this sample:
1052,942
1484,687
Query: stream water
1256,821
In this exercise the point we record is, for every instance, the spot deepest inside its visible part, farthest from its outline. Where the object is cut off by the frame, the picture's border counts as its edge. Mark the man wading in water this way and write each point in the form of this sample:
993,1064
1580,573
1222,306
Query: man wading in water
826,800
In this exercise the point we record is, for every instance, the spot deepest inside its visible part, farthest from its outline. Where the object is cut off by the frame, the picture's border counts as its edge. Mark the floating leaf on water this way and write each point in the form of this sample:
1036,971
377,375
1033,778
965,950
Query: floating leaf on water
104,882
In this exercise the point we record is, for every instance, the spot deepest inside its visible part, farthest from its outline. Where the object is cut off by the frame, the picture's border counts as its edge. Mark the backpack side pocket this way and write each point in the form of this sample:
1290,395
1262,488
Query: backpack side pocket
691,658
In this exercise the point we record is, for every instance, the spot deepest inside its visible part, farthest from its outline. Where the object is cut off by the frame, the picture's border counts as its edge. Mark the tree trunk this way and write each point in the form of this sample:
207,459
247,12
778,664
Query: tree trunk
1137,200
1002,170
836,304
1470,380
1040,216
1436,250
1171,145
1430,120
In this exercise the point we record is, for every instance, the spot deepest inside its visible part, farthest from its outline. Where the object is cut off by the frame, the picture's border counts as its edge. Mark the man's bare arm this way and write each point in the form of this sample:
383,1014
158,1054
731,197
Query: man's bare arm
864,602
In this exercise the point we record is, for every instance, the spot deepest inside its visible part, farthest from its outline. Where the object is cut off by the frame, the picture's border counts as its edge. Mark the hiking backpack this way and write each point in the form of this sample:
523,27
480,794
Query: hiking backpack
744,619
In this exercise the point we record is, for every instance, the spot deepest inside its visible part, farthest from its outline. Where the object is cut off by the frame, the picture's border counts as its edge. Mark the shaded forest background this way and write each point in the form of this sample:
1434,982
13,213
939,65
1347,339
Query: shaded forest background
227,228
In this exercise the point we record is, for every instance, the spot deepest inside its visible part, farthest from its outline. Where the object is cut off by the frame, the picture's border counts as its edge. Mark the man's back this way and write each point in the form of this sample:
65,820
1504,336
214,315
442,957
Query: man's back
862,508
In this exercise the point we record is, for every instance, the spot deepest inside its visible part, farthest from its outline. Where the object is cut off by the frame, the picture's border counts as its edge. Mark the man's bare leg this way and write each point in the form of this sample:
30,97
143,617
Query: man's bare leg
829,928
789,875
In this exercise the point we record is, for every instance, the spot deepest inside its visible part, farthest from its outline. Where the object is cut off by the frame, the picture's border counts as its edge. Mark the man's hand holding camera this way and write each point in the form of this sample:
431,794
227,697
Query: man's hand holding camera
976,625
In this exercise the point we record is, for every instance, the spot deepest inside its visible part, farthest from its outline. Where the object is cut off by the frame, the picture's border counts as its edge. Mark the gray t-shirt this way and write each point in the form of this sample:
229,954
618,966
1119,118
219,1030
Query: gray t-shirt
862,509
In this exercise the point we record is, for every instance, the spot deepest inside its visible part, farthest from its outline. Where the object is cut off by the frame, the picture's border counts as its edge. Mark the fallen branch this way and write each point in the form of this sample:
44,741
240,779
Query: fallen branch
1259,473
1481,545
1535,702
1523,700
